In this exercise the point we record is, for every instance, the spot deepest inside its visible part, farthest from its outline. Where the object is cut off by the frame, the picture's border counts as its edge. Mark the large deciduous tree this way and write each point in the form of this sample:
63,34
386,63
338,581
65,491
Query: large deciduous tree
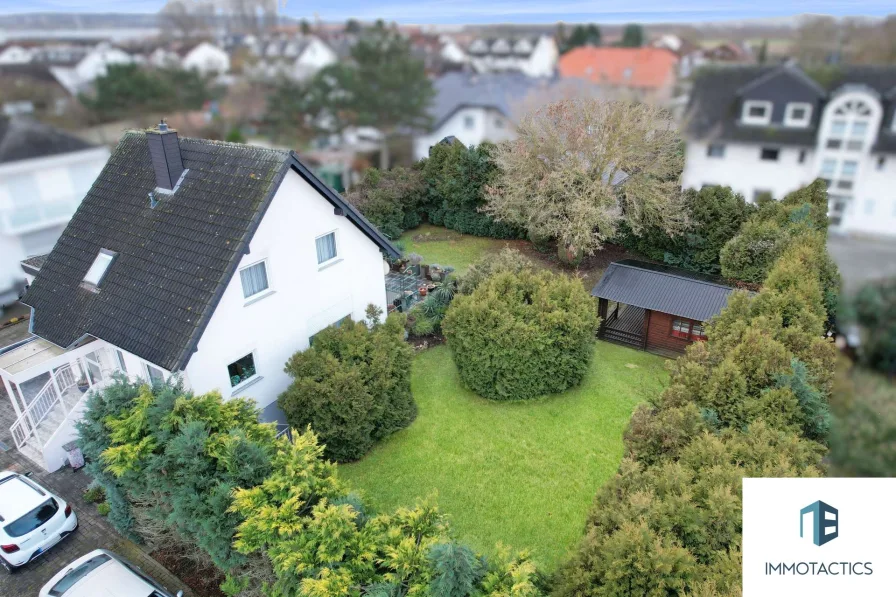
579,167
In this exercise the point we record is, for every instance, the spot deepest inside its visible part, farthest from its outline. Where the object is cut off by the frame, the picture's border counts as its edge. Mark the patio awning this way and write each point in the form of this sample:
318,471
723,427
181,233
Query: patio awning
29,355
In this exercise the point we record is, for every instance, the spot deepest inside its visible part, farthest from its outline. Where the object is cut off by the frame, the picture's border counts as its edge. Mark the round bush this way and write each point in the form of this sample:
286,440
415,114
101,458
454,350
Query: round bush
522,334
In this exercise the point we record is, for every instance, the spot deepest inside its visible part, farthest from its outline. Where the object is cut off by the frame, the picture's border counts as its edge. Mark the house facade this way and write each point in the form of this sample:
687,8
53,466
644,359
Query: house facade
205,58
44,173
531,56
212,261
655,307
775,129
94,64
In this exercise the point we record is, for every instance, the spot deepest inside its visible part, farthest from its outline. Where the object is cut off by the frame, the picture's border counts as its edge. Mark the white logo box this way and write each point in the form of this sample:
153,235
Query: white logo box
860,561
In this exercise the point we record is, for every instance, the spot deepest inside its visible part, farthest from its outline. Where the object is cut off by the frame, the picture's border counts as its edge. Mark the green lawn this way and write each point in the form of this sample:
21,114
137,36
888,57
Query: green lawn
447,247
524,473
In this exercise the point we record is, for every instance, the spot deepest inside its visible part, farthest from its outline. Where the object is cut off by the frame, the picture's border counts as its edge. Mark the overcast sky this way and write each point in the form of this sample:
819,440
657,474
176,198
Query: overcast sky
497,11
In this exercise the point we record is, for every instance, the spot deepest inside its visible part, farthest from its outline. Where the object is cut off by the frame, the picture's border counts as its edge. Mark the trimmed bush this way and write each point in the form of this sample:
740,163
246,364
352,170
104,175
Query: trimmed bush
508,260
522,335
352,386
390,199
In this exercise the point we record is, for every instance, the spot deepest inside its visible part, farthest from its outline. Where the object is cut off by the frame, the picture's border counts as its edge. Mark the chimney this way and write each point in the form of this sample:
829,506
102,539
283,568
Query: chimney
164,151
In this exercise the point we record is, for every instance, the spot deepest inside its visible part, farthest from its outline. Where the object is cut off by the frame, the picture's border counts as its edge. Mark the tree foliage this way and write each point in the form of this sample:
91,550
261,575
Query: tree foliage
582,35
874,309
390,199
863,435
352,386
560,179
523,335
632,36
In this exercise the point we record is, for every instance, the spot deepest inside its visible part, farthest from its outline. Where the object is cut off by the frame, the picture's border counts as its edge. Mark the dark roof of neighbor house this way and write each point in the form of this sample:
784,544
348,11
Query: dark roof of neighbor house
662,288
32,264
499,91
713,109
23,139
173,261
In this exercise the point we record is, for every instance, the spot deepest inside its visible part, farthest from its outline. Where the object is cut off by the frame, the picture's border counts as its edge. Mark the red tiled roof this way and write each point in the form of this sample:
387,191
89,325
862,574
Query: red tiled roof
649,68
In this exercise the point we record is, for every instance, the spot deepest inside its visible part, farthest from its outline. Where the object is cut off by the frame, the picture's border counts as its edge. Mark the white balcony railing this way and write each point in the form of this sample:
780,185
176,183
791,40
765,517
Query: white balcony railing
43,403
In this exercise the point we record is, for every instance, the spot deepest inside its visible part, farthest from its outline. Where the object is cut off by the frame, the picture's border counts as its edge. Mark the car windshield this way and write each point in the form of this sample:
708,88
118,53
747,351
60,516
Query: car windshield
75,574
33,520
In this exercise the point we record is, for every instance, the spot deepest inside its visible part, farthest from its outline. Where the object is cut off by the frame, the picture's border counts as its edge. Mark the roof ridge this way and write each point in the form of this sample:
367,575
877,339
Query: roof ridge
670,274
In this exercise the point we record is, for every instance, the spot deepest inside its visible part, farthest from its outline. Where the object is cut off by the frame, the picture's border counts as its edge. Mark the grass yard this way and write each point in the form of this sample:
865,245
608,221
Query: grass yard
523,474
447,247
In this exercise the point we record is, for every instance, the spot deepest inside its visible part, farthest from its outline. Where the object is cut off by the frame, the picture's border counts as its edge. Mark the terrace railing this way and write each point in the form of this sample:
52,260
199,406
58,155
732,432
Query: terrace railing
42,405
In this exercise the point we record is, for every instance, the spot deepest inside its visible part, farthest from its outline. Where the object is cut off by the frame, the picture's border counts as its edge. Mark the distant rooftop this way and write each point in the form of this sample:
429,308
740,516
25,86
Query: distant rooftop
22,139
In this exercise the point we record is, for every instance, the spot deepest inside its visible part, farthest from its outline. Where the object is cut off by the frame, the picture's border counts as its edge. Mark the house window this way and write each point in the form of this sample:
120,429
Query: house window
337,324
154,374
469,122
715,150
757,112
769,154
681,328
758,193
120,356
254,279
797,114
881,162
326,248
499,123
802,157
242,370
97,270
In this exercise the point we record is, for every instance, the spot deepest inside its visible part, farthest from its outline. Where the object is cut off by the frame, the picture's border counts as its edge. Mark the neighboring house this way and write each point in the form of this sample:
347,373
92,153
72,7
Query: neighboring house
475,108
648,73
298,57
213,261
14,54
531,56
773,129
94,64
204,57
690,56
729,52
656,307
44,173
452,52
31,88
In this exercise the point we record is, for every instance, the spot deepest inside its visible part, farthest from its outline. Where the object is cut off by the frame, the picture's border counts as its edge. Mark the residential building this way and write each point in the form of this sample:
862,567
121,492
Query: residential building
204,57
30,88
531,56
655,307
78,78
15,54
44,173
212,261
474,108
298,57
773,129
648,73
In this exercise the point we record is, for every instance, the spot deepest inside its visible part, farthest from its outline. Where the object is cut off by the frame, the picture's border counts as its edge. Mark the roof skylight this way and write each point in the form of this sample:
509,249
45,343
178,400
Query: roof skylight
98,270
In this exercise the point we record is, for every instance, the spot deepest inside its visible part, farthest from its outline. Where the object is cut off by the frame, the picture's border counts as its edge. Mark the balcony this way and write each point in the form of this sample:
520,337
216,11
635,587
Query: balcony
20,220
47,387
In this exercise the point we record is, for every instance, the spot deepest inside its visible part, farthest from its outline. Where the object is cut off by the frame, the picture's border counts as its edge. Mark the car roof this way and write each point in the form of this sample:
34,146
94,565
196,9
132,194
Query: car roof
18,496
112,579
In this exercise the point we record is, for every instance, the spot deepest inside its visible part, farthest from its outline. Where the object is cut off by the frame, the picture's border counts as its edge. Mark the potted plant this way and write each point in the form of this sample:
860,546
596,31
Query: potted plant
82,384
415,260
422,291
435,273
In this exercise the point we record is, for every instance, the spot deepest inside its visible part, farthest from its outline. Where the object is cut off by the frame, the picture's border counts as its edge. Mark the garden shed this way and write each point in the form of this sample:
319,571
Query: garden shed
655,307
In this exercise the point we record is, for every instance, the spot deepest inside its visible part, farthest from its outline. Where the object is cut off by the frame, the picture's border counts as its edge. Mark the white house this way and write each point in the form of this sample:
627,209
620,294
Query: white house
93,65
774,129
534,57
214,261
44,173
297,57
206,58
475,108
15,55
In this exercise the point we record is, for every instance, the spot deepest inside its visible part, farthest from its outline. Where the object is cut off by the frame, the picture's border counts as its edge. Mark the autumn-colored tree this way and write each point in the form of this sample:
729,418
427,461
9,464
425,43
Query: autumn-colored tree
579,167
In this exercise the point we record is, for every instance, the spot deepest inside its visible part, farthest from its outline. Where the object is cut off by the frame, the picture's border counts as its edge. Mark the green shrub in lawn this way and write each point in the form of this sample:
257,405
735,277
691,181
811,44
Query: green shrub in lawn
522,335
353,386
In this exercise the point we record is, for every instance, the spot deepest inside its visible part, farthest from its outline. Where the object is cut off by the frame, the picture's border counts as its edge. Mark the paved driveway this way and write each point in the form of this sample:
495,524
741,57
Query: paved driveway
861,260
93,531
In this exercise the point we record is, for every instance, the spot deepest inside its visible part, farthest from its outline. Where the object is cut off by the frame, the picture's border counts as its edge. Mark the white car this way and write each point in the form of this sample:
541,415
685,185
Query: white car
103,573
32,520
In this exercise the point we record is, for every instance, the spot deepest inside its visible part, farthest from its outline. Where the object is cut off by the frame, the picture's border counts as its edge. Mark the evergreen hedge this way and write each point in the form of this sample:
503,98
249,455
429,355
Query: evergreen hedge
522,335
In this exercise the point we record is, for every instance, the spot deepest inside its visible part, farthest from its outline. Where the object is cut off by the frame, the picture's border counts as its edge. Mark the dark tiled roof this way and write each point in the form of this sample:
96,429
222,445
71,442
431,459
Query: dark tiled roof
713,110
662,288
23,138
33,264
174,261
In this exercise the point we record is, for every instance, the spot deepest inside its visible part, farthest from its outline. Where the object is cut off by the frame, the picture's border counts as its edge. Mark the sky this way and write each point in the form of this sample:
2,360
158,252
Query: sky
505,11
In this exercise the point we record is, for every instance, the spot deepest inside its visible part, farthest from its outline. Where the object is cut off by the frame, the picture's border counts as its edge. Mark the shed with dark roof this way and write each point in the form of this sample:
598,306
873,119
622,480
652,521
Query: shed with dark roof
656,307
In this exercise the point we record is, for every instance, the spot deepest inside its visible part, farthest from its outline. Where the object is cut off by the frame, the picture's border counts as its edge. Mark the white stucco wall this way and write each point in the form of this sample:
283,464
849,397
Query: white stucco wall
543,59
742,169
873,209
303,300
95,64
484,128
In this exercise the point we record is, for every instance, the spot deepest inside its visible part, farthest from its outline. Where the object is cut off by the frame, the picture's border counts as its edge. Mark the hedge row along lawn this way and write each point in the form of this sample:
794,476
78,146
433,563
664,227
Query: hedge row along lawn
520,473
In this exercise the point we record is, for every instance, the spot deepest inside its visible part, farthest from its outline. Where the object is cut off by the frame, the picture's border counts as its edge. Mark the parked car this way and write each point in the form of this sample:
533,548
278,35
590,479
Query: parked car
32,520
103,572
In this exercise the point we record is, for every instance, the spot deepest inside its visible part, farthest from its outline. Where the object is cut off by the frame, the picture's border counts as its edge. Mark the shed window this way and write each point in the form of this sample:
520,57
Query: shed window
254,279
326,248
242,370
681,328
698,332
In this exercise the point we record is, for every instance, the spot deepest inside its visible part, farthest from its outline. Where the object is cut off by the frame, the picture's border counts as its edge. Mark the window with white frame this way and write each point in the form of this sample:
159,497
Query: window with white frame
98,269
797,114
757,112
154,374
242,370
715,150
254,279
121,364
469,122
326,248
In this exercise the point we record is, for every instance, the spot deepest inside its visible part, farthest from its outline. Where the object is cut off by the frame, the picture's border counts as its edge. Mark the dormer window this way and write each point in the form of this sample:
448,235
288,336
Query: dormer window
101,264
757,112
798,114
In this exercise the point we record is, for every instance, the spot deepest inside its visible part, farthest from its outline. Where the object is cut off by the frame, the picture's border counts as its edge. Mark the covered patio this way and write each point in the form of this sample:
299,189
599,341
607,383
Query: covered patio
621,323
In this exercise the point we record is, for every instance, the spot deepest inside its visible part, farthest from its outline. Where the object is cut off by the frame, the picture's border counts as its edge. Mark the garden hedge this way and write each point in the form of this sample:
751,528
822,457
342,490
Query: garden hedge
522,335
